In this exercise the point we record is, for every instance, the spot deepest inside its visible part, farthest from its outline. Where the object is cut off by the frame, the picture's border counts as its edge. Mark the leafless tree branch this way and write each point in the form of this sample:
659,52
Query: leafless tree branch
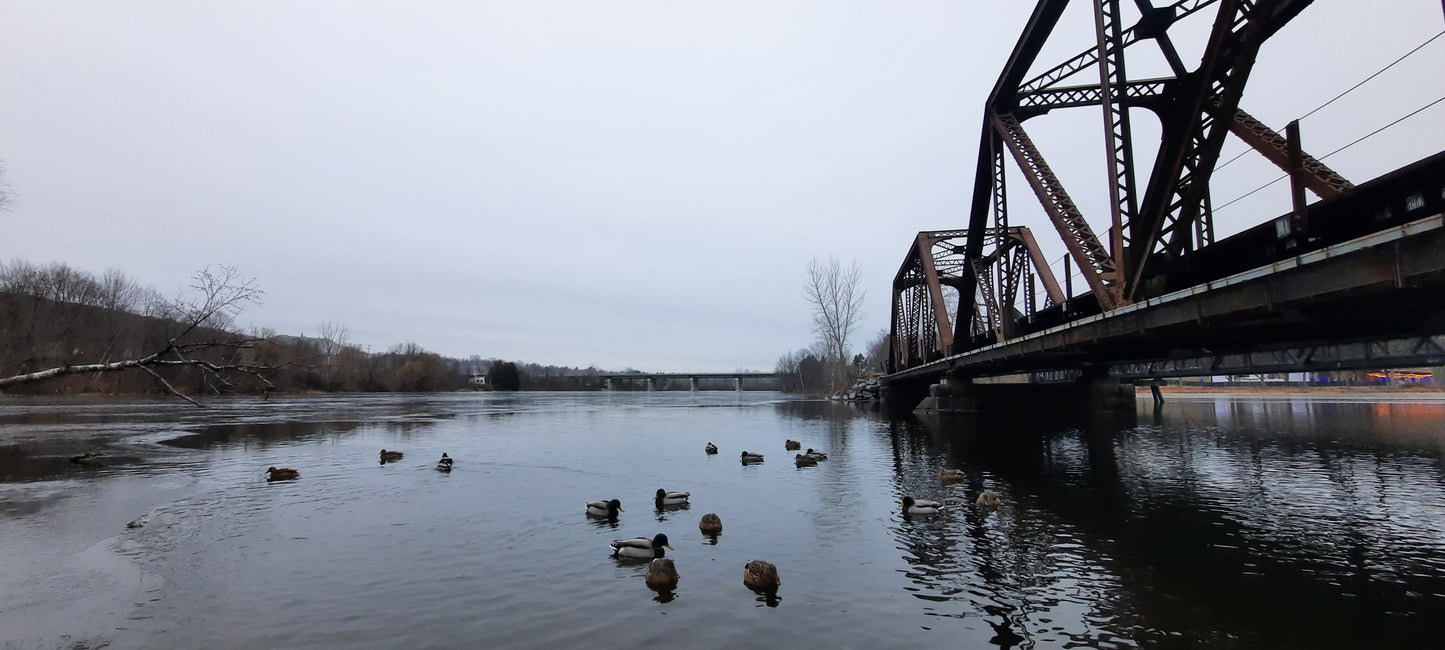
216,297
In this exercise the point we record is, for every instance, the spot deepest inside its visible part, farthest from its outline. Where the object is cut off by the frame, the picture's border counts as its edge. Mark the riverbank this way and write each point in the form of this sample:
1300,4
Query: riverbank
1266,390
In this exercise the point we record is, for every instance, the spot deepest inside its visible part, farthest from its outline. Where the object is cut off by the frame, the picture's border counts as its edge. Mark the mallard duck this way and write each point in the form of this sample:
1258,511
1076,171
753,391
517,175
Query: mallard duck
389,456
951,475
989,500
751,458
711,524
710,448
445,464
665,498
804,461
913,506
608,509
87,459
792,445
281,474
760,576
640,547
661,575
817,455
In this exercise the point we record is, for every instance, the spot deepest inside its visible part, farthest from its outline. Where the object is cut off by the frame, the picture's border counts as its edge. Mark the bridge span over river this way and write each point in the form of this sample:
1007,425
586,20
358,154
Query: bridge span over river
660,380
1354,278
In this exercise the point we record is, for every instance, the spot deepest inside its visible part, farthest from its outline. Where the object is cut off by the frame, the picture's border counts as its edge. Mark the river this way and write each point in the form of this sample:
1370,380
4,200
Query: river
1219,521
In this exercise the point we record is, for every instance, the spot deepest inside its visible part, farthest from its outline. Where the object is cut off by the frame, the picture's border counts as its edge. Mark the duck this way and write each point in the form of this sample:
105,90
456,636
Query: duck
804,461
665,498
951,475
913,506
281,474
445,464
641,547
661,575
751,458
608,509
792,445
87,459
817,455
989,500
389,456
760,576
710,449
711,524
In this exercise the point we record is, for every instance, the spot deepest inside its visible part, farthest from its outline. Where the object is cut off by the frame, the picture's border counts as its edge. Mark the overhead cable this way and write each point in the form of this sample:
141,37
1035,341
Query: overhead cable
1347,91
1356,141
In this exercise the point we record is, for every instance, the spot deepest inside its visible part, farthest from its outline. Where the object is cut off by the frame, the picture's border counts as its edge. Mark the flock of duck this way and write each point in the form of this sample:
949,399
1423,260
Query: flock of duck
387,456
661,575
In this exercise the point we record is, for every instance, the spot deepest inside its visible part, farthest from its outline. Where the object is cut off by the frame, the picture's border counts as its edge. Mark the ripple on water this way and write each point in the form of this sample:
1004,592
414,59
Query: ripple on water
1168,534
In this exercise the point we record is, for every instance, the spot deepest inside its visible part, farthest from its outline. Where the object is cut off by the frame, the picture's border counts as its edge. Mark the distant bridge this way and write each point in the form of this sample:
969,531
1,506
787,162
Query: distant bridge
656,380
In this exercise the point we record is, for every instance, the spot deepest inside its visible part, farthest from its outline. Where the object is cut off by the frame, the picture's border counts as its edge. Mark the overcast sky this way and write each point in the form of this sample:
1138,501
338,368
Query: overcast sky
590,183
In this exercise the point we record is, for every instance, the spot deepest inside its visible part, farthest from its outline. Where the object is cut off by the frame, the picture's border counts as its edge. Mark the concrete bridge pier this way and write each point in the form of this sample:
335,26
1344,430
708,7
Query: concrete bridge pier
692,384
738,384
651,384
609,384
1091,395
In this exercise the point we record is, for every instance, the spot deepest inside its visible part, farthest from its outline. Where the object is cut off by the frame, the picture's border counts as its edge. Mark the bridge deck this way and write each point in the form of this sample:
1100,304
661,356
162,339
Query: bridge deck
1383,286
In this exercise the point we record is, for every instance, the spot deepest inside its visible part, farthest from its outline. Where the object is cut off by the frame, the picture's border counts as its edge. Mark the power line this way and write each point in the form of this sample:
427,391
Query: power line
1355,142
1361,138
1347,91
1367,79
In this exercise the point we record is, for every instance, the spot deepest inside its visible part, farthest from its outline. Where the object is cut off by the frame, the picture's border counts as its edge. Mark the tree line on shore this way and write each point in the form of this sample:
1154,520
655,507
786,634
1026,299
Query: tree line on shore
64,330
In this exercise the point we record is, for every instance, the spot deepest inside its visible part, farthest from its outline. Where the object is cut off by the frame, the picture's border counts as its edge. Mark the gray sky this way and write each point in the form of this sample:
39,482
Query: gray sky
611,183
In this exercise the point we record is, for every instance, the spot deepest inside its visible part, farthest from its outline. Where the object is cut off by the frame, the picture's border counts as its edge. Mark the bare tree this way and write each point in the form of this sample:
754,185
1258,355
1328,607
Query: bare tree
199,317
836,294
334,337
878,352
6,196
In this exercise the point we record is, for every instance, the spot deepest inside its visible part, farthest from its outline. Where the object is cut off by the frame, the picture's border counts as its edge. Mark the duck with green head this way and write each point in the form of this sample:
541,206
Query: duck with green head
667,499
641,548
608,509
912,506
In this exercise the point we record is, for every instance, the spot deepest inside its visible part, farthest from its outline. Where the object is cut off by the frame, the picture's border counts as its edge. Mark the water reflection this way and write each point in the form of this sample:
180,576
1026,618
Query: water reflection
1218,523
1225,519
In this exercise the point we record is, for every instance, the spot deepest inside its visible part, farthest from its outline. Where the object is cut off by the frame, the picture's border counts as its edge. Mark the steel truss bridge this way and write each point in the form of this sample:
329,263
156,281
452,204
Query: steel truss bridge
1355,279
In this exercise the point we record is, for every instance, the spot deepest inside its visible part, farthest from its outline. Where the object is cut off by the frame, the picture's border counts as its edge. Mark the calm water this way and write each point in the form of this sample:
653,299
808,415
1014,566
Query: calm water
1220,522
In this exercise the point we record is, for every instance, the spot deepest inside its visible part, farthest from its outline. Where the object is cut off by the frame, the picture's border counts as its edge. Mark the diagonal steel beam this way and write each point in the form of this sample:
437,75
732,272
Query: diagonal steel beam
1194,133
1095,262
935,292
1321,180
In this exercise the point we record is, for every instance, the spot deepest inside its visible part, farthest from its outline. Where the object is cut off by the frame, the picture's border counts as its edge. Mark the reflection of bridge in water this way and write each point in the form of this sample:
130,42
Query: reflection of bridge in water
660,380
1220,519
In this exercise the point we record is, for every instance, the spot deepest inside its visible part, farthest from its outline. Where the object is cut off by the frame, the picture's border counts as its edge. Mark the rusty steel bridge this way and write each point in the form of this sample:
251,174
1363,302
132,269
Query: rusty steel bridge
1354,279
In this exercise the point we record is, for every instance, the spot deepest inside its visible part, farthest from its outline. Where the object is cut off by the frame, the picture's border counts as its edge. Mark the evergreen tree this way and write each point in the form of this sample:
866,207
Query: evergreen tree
504,376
